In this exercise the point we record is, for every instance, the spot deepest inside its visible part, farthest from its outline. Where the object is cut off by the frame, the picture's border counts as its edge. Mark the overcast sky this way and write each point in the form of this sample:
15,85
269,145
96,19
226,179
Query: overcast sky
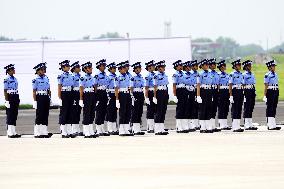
247,21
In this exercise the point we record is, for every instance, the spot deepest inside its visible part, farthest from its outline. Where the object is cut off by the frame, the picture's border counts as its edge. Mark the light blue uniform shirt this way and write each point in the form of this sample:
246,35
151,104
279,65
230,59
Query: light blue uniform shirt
111,80
161,79
149,79
76,79
87,81
205,78
236,78
122,81
215,77
196,76
189,78
129,75
249,78
271,78
224,79
101,79
178,77
10,83
65,79
41,83
137,81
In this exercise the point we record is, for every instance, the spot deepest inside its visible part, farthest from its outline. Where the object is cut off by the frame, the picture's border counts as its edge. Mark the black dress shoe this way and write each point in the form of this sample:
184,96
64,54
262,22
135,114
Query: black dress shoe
162,133
130,134
253,128
139,133
106,134
166,129
88,137
73,135
183,131
11,136
202,131
17,136
50,135
150,131
209,131
191,130
40,136
275,129
227,128
81,134
65,136
238,130
197,128
114,133
122,135
216,130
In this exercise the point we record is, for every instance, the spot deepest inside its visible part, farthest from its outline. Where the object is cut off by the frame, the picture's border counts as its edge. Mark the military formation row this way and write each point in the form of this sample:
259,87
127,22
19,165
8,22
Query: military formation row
200,97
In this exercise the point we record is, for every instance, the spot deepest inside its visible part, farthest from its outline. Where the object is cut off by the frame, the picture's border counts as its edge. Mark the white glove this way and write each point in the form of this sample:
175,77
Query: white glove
60,102
264,99
35,104
7,104
132,100
81,103
199,99
175,99
117,104
50,103
147,100
245,99
155,101
231,99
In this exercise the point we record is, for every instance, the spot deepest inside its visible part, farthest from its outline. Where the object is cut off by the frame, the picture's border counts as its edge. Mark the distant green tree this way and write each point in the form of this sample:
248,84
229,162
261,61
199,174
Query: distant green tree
250,49
202,39
110,35
277,49
86,37
3,38
227,48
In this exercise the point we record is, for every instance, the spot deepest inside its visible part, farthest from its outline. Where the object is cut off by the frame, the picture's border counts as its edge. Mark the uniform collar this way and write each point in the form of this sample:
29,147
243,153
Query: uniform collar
223,73
139,75
100,72
65,72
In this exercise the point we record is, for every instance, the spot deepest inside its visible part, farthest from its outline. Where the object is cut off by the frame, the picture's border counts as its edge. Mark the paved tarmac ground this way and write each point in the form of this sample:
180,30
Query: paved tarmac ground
225,160
26,118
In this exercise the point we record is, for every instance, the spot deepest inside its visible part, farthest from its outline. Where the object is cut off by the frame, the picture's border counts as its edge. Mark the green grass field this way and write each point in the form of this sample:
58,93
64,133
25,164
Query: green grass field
259,70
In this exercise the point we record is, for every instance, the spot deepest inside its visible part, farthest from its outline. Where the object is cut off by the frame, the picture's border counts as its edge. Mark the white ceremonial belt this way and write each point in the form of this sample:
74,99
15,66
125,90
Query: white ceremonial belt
190,87
101,87
162,87
12,91
76,88
237,86
249,87
111,90
41,92
203,86
272,87
151,89
180,86
214,86
137,89
224,87
66,88
88,90
124,90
